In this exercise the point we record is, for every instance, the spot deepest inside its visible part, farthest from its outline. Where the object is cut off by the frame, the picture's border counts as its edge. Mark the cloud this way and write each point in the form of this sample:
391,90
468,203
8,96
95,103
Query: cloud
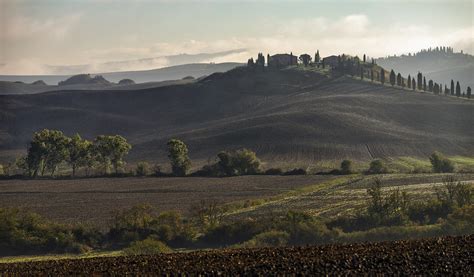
27,28
353,34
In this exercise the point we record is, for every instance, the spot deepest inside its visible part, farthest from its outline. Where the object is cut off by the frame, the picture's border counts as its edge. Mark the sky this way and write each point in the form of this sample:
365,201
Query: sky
59,37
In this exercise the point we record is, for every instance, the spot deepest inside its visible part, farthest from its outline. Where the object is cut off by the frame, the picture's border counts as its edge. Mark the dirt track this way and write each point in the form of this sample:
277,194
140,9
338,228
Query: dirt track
436,256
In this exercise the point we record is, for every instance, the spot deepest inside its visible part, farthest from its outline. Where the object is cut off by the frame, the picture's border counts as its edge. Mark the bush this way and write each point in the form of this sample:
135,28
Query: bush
377,167
272,238
440,163
148,246
2,172
274,171
232,233
143,169
346,167
296,171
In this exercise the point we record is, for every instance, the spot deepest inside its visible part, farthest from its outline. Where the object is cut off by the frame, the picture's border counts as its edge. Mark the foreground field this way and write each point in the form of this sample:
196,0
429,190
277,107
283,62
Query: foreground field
435,256
94,200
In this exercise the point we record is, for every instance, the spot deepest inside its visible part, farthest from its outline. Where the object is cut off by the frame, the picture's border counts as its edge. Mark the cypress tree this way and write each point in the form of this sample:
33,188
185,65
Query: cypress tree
409,81
452,87
364,58
430,85
468,92
446,90
382,76
413,84
392,78
424,83
458,89
399,79
317,58
420,80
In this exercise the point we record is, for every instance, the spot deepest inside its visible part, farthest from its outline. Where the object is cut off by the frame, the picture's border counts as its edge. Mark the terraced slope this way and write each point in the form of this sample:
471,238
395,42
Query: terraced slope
288,117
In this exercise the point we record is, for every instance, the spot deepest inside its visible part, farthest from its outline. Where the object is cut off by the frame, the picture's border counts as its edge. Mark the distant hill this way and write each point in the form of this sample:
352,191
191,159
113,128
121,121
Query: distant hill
439,64
195,70
287,116
84,79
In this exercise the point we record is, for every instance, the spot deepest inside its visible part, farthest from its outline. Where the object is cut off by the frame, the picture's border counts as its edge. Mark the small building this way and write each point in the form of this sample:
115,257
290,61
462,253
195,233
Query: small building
332,61
282,60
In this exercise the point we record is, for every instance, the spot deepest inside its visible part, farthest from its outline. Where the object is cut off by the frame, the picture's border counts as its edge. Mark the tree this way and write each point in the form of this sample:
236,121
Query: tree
392,77
458,89
424,84
362,73
47,150
143,169
78,152
372,75
240,162
468,92
430,86
317,57
419,80
436,88
111,150
440,163
382,76
178,155
452,87
377,167
409,81
399,80
413,84
346,167
364,59
305,59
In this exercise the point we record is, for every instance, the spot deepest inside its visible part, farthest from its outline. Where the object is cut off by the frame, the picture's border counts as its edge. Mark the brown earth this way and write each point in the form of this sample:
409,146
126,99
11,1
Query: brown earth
434,256
93,200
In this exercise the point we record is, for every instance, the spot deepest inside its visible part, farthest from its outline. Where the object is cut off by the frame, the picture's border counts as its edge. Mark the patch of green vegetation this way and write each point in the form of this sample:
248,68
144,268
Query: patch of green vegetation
409,165
463,164
52,257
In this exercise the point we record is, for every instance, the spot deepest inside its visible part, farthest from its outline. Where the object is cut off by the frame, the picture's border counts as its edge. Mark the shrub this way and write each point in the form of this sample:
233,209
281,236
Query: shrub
272,238
440,163
274,171
296,171
148,246
232,233
2,172
377,167
143,169
346,167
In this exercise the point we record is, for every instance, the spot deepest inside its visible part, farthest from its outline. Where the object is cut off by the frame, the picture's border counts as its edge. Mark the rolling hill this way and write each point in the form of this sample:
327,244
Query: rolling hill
289,116
440,65
177,72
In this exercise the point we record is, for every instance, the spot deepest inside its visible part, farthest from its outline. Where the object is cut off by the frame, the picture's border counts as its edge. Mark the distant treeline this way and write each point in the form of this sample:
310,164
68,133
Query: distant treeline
49,149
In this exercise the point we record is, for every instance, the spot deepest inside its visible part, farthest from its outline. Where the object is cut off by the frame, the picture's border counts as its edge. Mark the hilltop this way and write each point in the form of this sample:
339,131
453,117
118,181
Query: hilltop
440,64
287,116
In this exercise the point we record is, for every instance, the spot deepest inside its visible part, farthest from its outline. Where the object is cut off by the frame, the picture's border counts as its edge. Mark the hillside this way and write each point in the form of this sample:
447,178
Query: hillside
288,116
441,66
156,75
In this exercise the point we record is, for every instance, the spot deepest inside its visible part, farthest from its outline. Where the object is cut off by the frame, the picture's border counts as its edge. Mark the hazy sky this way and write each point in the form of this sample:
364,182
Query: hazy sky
38,34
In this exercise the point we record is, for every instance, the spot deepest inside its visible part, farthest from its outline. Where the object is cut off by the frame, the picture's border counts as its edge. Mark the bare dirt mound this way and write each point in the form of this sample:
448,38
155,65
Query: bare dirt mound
435,256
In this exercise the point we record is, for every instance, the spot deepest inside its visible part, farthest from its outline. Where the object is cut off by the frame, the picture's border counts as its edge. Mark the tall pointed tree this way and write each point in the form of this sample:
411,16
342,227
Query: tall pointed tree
413,84
458,89
399,80
392,77
419,80
452,87
424,83
382,76
468,93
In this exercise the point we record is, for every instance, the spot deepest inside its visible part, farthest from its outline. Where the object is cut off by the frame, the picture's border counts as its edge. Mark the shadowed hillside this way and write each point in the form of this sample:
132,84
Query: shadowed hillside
287,116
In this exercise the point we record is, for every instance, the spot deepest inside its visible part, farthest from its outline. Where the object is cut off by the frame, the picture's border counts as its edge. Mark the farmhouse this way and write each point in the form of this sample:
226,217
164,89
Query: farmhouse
331,61
282,60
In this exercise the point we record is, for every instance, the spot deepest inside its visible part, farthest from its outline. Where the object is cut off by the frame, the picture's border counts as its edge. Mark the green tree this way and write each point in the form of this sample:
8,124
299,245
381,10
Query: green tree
431,86
317,57
413,84
346,167
409,81
143,169
305,59
458,89
111,150
469,92
399,80
382,76
440,163
424,84
392,77
78,152
377,167
178,155
47,150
